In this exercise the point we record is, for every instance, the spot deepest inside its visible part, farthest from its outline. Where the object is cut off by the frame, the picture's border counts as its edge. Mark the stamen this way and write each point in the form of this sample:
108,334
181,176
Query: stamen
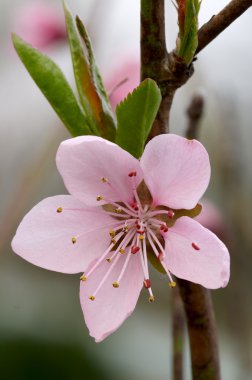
113,241
115,284
59,210
74,240
112,233
104,180
83,278
106,276
195,246
92,298
122,251
132,174
109,260
172,284
99,198
126,260
147,283
151,299
156,240
135,249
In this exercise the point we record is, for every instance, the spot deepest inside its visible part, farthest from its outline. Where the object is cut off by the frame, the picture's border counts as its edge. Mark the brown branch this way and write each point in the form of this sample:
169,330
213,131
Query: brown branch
209,31
194,113
178,334
202,330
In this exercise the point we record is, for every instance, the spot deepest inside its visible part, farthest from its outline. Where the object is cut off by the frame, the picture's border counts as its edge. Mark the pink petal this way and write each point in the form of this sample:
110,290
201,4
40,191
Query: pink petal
44,237
84,161
176,170
112,305
208,265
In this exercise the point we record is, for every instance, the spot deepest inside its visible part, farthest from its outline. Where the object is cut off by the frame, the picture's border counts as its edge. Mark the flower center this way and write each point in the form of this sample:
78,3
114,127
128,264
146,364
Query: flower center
138,228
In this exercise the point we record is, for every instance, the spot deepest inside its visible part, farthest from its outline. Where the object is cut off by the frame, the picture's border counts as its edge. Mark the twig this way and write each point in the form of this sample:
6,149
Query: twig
202,330
194,113
178,333
209,31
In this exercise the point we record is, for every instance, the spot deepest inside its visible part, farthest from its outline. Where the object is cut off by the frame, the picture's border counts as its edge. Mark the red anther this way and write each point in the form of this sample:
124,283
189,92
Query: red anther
195,246
147,283
165,229
136,208
161,256
132,174
171,214
141,232
138,226
135,249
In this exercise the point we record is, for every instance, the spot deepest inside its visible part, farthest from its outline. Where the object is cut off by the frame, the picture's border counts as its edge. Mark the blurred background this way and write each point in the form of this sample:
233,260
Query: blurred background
42,332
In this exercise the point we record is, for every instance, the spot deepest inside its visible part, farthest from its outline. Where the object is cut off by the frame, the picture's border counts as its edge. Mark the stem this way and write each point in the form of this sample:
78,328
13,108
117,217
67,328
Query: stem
178,333
209,31
202,331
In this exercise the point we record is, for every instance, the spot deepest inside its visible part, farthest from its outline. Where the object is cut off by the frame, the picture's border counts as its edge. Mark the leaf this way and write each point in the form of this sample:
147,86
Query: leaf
135,116
99,118
53,84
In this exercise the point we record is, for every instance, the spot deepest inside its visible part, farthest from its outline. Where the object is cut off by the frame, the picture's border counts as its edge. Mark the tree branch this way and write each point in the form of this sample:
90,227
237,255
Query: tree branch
209,31
202,330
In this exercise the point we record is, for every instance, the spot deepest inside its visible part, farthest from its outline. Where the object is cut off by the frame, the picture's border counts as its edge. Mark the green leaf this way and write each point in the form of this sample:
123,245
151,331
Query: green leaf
53,84
99,121
188,25
135,116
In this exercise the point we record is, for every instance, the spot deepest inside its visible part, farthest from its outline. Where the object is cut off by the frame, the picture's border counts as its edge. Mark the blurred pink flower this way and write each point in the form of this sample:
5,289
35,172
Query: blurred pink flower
40,24
123,81
104,229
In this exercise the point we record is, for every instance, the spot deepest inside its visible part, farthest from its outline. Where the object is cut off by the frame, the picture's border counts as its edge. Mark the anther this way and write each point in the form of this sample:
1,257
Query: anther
104,179
122,251
59,210
147,283
151,299
171,214
132,174
125,229
118,210
92,298
115,284
83,278
112,233
195,246
74,240
108,260
99,198
135,250
172,284
164,228
141,237
113,241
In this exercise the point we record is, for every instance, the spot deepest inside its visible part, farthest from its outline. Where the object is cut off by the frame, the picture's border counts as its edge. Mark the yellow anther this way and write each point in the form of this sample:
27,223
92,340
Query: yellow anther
74,240
172,284
99,198
83,278
104,179
125,229
113,241
112,233
118,210
115,284
109,260
151,299
92,298
59,210
122,251
141,237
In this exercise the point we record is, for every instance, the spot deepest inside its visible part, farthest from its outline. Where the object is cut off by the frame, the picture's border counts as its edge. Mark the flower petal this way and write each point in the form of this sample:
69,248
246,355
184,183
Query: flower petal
83,161
176,170
111,306
44,237
208,265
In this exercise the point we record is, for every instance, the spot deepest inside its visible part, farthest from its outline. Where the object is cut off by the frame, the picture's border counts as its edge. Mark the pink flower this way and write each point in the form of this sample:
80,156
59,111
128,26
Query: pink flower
40,24
104,229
